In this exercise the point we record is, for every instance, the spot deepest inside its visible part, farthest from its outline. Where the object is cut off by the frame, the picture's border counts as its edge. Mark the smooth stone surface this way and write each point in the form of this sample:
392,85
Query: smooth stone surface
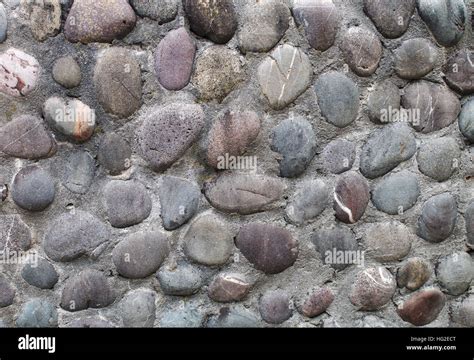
117,81
138,309
234,317
469,219
414,273
184,280
19,73
362,50
295,141
386,148
284,75
174,59
33,188
215,20
15,235
446,19
415,58
243,194
396,193
455,273
70,117
79,172
388,241
66,72
99,21
459,72
127,203
274,307
466,121
7,293
208,240
372,289
26,137
37,313
383,100
262,25
179,199
74,234
228,287
320,19
230,136
422,307
438,218
44,18
351,197
140,254
88,289
391,17
268,248
162,11
3,23
338,98
439,158
308,202
331,242
168,132
339,156
115,154
40,274
317,302
438,107
218,71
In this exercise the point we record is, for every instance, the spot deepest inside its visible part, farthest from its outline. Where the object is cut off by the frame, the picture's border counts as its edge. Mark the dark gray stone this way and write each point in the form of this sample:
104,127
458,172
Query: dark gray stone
391,17
362,50
439,158
384,100
466,121
274,307
42,274
33,189
37,313
455,273
459,72
183,280
162,11
331,241
438,218
308,202
79,172
339,156
415,58
115,154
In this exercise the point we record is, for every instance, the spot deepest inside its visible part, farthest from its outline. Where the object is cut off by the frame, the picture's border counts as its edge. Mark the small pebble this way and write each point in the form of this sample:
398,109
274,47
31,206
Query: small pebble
184,280
335,245
415,58
79,172
317,302
384,100
184,315
391,17
351,197
422,307
372,289
90,322
414,273
274,307
459,72
388,241
455,273
228,287
339,156
41,274
438,218
465,312
439,158
15,235
66,72
19,73
138,309
362,50
33,188
37,313
115,154
162,11
308,202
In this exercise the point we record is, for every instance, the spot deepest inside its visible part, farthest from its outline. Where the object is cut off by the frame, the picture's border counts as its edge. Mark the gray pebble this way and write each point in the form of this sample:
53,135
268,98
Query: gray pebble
274,307
415,58
308,202
184,280
464,313
79,172
362,50
66,72
339,156
162,11
138,309
115,154
391,17
330,242
41,274
388,241
455,273
466,121
185,316
383,102
33,189
439,158
459,72
438,218
37,313
7,293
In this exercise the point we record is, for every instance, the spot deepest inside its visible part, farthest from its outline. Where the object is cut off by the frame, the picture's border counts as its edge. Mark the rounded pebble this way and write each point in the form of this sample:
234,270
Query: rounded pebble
459,72
414,273
274,307
362,50
138,309
37,313
373,288
317,302
438,218
339,156
7,293
439,158
335,245
415,58
115,154
388,241
466,121
228,287
33,189
384,100
184,280
66,72
351,197
391,17
162,11
455,273
422,307
79,172
41,274
308,202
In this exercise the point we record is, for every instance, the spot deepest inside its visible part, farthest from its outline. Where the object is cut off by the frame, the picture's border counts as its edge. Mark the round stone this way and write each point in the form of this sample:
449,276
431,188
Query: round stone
274,307
140,254
15,235
269,248
174,59
66,72
386,149
391,17
162,11
99,21
338,98
414,273
372,289
383,102
230,136
3,23
208,240
40,273
79,172
217,73
262,25
167,132
320,19
308,202
455,273
74,234
115,154
459,72
295,141
422,307
37,313
415,58
351,197
466,121
284,75
339,156
138,309
19,73
362,50
439,158
179,199
44,19
7,293
243,194
433,106
88,289
445,19
33,189
317,302
438,218
469,219
396,193
182,280
117,81
228,287
234,317
215,20
335,245
388,241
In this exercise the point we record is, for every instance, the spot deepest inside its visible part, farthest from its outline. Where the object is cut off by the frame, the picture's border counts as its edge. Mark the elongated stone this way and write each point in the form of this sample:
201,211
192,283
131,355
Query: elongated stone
3,23
351,197
466,121
438,218
391,17
19,73
422,307
469,219
362,50
459,72
79,172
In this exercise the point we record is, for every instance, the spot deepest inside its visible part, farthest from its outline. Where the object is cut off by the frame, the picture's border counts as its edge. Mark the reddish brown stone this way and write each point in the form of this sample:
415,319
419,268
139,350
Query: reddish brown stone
423,307
317,302
351,197
228,287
